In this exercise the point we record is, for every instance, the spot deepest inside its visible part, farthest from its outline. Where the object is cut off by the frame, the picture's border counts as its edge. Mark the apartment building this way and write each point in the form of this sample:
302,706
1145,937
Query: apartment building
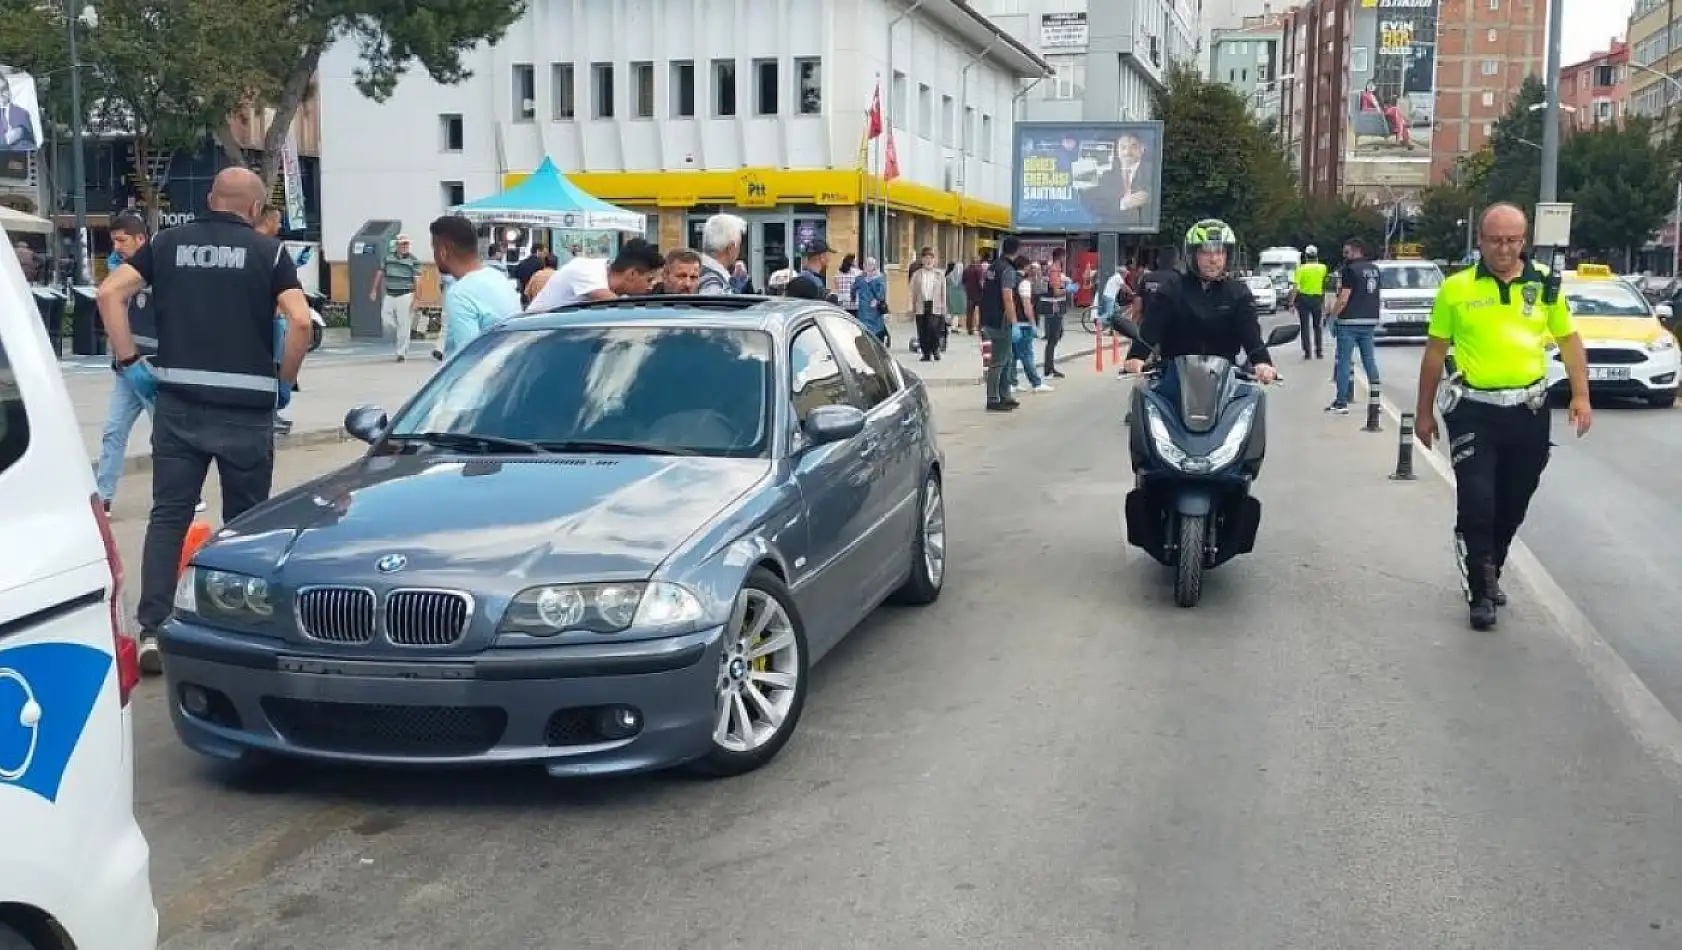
1593,90
1246,59
1654,35
1115,51
1485,49
1382,97
683,108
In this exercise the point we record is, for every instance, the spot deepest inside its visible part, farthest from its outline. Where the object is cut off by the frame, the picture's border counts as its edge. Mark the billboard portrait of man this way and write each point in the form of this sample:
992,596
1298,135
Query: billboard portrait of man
20,121
1123,196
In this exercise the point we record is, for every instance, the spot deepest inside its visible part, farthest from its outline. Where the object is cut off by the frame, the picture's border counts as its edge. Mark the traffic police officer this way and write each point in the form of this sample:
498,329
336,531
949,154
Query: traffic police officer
1498,318
216,284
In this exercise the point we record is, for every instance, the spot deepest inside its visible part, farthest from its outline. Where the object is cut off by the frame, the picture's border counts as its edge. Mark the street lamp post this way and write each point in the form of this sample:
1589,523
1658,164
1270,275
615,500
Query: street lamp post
1676,213
1550,124
78,168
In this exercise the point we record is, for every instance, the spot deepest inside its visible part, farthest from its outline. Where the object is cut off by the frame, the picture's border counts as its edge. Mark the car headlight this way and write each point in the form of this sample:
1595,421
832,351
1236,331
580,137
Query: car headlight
1661,343
1225,454
552,609
224,594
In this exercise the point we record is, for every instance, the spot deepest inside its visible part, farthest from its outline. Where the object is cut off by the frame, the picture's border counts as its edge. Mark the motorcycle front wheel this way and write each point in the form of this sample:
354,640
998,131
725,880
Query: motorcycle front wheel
1188,563
315,337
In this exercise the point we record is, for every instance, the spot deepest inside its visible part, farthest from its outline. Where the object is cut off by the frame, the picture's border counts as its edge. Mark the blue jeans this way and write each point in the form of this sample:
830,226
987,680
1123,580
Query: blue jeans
1348,338
120,415
1022,352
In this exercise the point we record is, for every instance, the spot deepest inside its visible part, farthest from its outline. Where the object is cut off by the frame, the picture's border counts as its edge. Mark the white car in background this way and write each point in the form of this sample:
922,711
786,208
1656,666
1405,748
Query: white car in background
1406,289
1261,288
74,866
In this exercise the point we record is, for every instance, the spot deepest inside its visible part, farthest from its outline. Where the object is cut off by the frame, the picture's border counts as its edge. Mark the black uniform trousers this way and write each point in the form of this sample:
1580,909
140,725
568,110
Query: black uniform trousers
1499,453
187,436
1310,310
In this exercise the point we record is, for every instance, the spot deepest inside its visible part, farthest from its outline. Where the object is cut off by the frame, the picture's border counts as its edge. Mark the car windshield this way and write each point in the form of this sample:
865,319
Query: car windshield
1259,283
658,390
1423,277
1605,298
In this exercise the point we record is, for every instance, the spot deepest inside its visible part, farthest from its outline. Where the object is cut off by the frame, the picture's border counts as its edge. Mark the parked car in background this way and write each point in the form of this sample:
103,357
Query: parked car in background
1630,350
1267,296
609,539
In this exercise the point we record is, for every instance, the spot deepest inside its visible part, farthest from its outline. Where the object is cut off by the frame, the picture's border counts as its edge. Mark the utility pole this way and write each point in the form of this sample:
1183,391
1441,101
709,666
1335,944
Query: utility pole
1106,43
1550,116
78,168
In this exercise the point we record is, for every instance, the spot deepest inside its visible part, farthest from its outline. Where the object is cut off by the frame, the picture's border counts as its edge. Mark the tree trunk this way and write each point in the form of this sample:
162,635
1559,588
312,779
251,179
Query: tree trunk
231,149
143,179
286,109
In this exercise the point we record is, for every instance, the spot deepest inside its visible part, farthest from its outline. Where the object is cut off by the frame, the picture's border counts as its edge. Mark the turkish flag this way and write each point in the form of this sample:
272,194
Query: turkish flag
890,162
873,118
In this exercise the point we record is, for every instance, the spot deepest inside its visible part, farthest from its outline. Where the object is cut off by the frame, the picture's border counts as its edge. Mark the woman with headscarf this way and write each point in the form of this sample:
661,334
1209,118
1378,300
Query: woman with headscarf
870,292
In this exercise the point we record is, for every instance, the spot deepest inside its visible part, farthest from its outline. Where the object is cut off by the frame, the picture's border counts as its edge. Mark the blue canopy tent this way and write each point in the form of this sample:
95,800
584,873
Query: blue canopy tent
547,199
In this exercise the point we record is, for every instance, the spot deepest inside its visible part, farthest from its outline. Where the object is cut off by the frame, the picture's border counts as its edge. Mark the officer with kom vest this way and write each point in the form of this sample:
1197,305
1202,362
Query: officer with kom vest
216,285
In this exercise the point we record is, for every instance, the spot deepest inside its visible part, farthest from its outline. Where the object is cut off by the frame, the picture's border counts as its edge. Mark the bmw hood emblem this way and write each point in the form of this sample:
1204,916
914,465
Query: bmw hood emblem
391,563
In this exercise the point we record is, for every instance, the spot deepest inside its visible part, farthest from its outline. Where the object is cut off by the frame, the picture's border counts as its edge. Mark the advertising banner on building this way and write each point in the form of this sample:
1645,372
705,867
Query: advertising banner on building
20,113
1087,176
1060,31
1393,80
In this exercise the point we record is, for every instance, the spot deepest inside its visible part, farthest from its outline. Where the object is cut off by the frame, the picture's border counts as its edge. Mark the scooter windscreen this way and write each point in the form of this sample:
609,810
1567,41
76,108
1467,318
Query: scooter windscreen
1203,388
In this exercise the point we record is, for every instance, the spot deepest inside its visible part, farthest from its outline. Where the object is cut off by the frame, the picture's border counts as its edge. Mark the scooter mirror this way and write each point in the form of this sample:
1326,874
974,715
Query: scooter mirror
1284,334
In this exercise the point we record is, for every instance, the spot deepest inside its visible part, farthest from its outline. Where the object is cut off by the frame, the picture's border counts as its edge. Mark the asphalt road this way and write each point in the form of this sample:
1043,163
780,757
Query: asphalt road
1607,522
1319,756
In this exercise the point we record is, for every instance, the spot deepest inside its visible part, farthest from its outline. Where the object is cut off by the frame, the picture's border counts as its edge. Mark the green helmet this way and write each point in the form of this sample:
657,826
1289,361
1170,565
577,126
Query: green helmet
1210,234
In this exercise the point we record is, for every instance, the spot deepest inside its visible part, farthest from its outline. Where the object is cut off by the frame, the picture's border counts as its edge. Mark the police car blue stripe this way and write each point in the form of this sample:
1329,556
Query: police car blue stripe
18,625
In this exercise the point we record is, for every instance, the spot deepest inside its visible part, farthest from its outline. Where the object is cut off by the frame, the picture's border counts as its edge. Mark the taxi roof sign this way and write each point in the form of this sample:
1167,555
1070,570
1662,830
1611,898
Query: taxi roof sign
1594,272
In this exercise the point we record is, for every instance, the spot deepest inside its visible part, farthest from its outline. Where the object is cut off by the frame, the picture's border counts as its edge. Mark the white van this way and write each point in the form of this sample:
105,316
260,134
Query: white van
75,870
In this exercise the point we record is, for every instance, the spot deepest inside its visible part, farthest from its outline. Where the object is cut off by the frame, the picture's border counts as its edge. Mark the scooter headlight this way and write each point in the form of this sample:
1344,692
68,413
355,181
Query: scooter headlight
1227,452
1166,450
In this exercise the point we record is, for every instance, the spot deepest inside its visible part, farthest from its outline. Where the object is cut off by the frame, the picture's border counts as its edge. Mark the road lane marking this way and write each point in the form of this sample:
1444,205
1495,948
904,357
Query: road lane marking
1652,724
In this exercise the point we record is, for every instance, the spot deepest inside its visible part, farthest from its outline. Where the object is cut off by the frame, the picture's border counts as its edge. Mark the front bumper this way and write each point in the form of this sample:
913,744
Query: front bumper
1403,324
1622,369
540,706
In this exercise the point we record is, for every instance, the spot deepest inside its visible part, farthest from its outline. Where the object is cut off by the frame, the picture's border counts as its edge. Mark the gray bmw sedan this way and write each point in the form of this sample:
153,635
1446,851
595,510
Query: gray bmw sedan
607,539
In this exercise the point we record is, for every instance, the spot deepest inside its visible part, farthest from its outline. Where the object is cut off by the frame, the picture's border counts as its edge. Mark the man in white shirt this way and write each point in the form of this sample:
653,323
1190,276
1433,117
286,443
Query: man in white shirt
632,272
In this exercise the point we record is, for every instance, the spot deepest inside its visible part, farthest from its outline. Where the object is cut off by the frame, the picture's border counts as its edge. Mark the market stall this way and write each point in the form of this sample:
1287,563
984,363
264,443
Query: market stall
576,221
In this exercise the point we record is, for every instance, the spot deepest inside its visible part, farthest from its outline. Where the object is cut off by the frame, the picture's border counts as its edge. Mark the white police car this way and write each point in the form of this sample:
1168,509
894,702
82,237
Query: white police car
74,866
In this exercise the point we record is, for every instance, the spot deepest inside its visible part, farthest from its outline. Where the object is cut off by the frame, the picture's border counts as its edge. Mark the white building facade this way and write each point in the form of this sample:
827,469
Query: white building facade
1106,55
682,108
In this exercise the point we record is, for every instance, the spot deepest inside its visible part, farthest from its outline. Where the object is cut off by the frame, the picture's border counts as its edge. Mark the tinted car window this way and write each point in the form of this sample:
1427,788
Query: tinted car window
816,374
694,389
1410,278
863,355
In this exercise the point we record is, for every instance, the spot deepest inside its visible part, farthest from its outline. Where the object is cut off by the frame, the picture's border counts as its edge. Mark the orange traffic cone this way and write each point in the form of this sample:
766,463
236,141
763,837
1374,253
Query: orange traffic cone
197,535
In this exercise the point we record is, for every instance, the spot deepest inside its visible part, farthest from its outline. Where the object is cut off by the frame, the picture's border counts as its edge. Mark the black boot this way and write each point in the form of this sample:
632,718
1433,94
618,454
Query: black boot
1481,597
1496,594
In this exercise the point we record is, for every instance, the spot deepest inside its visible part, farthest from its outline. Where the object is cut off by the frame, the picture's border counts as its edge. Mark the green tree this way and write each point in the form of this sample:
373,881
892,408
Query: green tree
1620,182
164,71
391,36
1513,172
1218,160
1441,225
1324,222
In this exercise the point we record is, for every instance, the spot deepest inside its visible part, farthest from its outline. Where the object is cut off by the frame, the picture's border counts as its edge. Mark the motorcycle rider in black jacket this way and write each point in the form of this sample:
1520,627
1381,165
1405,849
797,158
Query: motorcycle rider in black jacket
1205,312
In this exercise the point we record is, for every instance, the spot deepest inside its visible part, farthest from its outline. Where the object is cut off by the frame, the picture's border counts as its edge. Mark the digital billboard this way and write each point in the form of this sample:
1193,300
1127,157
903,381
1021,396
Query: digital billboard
20,113
1393,80
1087,176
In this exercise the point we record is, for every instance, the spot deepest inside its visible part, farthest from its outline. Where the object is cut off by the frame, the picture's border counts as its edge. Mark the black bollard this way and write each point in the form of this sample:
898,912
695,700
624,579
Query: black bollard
1404,451
1374,407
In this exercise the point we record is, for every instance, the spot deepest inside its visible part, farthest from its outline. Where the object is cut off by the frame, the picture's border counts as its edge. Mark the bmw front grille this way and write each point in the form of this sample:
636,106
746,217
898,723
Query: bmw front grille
411,617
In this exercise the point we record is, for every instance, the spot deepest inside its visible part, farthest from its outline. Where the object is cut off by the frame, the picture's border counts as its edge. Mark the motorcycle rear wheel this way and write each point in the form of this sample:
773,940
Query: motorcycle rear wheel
1188,563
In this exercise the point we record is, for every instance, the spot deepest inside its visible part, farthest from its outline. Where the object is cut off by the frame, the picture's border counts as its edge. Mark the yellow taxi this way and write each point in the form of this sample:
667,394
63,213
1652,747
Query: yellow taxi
1630,353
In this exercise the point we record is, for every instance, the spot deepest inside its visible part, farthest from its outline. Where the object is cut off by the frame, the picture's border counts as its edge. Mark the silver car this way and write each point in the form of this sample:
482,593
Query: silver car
604,540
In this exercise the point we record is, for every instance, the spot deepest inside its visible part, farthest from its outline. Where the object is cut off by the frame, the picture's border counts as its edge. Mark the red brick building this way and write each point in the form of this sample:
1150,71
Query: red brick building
1595,86
1312,91
1485,49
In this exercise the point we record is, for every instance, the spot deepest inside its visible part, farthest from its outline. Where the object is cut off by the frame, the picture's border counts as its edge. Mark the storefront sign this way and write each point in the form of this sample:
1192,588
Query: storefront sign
753,192
1063,30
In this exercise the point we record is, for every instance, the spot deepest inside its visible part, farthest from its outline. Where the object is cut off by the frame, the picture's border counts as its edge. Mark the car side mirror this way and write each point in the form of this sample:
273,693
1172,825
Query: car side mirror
366,423
1125,326
1667,315
827,424
1283,334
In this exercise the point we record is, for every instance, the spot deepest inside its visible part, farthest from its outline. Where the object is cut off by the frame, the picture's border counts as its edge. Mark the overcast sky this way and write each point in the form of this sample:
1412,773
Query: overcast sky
1590,25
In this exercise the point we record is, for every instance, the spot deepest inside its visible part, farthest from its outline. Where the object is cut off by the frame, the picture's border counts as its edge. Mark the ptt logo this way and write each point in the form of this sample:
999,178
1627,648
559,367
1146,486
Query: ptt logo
47,692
